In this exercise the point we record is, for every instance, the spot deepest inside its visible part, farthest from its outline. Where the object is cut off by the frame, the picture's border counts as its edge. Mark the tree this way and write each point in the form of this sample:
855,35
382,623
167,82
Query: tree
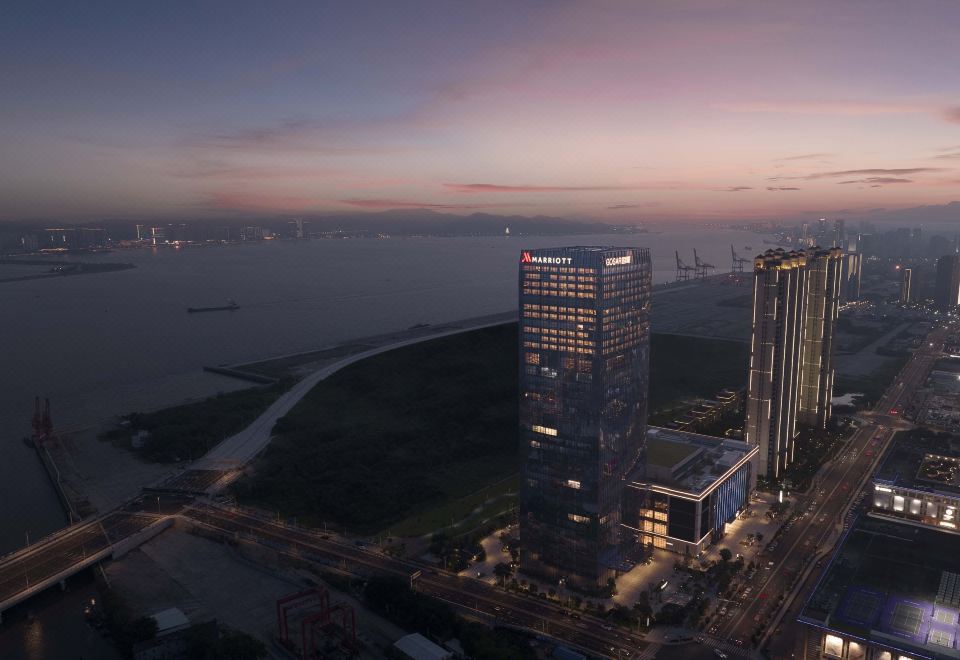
502,571
725,554
611,589
238,645
142,629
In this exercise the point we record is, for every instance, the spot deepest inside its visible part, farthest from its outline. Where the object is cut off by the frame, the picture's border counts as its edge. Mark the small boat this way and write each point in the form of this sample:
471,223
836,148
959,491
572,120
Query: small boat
229,307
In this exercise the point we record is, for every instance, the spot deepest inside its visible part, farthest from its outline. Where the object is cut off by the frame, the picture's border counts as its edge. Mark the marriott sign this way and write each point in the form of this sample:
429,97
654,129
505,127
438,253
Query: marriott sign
527,258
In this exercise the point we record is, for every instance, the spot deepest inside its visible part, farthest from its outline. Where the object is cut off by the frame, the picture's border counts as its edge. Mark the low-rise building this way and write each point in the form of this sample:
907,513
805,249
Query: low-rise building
693,485
919,482
417,647
892,588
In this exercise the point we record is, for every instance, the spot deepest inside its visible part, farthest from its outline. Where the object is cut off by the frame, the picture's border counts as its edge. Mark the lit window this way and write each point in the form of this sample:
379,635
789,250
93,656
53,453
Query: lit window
578,518
573,484
544,430
535,444
833,645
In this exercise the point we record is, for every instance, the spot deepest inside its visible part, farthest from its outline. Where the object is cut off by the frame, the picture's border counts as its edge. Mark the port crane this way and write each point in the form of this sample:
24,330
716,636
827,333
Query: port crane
701,266
738,261
683,270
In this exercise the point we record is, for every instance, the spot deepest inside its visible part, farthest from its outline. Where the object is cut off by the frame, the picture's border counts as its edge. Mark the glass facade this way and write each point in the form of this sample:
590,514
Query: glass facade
584,371
730,497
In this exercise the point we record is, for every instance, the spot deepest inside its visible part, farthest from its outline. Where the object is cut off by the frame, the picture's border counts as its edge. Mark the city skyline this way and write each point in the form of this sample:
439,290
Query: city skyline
705,111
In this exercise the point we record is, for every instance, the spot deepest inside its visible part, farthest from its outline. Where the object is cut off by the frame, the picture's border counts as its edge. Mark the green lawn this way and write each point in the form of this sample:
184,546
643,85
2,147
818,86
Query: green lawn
402,432
683,367
418,438
188,431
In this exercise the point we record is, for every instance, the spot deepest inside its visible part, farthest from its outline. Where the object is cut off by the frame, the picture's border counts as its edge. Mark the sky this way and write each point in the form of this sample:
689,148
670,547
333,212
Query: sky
610,110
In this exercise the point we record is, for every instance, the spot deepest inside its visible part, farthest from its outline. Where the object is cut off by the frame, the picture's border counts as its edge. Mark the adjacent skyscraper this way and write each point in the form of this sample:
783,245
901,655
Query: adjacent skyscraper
906,286
947,293
822,309
584,371
776,351
796,301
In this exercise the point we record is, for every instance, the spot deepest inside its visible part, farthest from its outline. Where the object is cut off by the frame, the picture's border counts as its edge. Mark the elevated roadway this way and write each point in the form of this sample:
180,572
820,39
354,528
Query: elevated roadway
55,558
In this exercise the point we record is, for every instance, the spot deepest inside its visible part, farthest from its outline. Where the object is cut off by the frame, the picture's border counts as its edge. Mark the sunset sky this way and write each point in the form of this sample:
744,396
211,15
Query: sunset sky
620,111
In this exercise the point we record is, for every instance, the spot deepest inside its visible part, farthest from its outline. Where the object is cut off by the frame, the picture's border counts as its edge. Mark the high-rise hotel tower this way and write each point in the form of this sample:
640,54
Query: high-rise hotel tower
795,306
584,372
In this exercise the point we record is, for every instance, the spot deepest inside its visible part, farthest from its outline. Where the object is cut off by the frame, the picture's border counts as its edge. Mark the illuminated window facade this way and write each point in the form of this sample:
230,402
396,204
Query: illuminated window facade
925,507
779,304
795,305
584,370
686,521
822,310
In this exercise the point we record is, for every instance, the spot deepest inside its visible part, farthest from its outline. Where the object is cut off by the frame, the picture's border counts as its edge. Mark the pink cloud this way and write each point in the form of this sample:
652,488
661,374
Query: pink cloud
876,171
840,108
953,114
499,188
403,204
217,171
805,157
260,201
661,185
878,180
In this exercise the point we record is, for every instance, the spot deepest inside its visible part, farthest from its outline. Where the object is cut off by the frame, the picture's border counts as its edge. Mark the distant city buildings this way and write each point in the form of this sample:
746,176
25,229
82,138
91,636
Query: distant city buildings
73,238
851,275
299,229
906,286
584,355
947,291
796,296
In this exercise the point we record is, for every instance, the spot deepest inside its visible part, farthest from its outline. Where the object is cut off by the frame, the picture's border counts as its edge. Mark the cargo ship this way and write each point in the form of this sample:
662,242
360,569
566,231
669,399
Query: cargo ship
229,307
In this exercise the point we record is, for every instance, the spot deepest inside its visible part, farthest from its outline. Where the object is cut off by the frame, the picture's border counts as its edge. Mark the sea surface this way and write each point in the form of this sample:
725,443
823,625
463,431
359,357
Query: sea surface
106,344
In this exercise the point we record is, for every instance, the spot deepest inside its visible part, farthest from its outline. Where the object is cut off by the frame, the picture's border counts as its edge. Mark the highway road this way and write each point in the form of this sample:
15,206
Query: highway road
50,557
465,594
818,517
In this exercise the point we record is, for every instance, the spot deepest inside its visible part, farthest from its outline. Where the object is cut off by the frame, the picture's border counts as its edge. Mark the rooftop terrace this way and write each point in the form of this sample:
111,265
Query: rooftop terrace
689,461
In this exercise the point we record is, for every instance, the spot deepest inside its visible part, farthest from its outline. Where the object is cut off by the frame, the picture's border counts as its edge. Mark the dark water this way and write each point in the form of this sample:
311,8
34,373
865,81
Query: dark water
105,344
52,627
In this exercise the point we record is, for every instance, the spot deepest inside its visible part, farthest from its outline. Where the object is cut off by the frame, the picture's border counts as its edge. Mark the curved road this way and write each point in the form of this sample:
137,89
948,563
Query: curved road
239,449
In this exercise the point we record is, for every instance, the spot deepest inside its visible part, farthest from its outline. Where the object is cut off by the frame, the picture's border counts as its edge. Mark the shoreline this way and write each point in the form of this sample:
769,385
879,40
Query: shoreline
91,462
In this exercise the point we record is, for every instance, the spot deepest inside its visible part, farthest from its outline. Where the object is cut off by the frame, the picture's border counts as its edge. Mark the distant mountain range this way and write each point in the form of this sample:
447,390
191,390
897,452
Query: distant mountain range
426,221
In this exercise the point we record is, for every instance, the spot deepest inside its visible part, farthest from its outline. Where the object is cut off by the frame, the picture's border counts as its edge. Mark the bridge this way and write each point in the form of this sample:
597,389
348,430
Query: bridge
53,559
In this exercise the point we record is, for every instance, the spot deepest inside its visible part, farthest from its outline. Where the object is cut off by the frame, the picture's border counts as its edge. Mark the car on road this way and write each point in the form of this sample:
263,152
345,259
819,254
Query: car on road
720,654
